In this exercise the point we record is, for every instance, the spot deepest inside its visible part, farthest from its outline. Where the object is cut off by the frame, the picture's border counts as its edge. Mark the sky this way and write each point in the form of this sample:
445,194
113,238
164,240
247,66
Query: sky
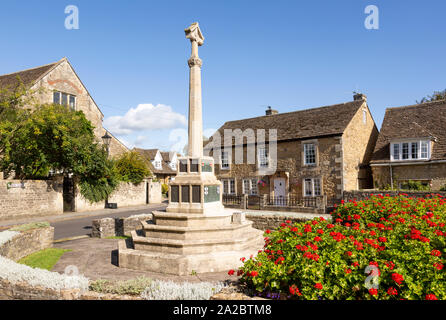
291,55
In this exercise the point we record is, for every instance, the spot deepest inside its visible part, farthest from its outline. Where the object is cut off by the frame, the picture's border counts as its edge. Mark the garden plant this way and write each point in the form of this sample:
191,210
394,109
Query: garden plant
380,248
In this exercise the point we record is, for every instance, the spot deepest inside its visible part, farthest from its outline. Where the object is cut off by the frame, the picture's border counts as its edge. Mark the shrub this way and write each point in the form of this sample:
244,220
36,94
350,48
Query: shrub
128,287
14,272
404,238
131,167
443,188
164,188
162,290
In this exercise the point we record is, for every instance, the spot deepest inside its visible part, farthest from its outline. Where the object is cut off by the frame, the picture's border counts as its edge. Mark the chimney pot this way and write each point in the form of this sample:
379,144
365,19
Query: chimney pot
359,96
270,111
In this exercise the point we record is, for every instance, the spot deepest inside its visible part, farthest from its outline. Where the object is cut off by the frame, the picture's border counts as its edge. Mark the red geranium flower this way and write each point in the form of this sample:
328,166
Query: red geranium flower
373,291
231,272
318,286
431,297
392,291
398,278
436,253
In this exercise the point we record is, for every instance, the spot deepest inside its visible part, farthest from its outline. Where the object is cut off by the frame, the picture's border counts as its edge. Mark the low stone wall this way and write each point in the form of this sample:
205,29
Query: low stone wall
109,227
271,222
30,198
24,291
362,195
127,194
27,242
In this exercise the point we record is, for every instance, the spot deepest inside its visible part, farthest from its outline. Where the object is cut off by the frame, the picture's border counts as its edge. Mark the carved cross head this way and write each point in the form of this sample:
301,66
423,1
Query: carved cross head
194,33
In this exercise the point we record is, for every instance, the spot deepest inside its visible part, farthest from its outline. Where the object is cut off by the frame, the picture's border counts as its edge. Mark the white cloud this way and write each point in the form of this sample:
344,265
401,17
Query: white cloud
145,117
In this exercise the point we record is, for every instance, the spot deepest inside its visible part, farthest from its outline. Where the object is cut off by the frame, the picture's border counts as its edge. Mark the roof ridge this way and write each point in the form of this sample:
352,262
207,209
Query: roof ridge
29,69
424,104
296,111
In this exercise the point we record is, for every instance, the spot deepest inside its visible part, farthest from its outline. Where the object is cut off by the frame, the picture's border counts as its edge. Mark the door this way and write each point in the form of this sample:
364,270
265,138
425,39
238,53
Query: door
279,191
68,194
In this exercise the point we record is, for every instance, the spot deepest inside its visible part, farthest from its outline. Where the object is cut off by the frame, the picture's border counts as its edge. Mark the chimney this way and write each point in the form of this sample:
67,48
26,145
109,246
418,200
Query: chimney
359,96
270,111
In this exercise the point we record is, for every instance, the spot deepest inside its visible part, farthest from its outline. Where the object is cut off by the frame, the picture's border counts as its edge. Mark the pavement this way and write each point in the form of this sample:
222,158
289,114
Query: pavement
78,224
98,259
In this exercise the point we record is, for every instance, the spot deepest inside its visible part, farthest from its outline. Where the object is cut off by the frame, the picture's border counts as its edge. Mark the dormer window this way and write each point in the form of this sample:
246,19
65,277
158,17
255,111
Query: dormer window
410,150
157,164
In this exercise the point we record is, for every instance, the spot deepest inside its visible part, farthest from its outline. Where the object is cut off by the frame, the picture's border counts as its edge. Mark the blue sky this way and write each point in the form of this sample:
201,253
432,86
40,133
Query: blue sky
291,55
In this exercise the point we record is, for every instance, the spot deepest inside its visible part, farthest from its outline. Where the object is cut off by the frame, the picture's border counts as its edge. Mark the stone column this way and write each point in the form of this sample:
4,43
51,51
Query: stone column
195,143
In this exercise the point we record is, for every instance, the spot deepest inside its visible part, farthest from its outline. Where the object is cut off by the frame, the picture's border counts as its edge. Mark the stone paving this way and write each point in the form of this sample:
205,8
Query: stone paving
97,259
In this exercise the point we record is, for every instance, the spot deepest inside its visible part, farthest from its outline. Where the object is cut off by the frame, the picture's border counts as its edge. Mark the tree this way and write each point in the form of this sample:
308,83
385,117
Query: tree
437,95
36,139
131,167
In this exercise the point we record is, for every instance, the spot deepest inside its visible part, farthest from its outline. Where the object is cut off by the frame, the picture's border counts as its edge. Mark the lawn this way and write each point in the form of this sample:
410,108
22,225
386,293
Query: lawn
44,259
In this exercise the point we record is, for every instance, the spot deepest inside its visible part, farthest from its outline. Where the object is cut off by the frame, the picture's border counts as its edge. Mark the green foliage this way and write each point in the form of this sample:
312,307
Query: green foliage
404,238
443,188
129,287
131,167
414,185
437,95
52,138
44,259
98,178
164,188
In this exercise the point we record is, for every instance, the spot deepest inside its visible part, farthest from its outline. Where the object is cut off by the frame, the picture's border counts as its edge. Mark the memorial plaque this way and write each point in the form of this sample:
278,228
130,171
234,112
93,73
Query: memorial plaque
185,194
196,194
175,194
211,193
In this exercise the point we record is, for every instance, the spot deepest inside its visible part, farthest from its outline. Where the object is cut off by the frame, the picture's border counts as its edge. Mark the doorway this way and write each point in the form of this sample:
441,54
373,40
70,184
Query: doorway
68,194
279,191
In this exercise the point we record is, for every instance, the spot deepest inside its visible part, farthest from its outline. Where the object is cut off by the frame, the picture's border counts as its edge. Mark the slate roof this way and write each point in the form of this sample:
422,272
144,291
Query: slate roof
303,124
29,76
426,120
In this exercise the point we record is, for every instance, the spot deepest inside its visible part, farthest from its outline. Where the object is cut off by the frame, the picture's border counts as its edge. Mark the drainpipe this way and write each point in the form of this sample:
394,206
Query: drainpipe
391,176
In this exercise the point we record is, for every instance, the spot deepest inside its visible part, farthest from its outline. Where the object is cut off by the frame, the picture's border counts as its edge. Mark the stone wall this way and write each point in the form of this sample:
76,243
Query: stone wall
30,198
359,141
127,194
27,242
64,79
435,172
362,195
109,227
271,222
24,291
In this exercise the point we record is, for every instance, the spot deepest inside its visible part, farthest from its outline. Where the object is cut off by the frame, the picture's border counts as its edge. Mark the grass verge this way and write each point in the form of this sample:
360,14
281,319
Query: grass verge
43,259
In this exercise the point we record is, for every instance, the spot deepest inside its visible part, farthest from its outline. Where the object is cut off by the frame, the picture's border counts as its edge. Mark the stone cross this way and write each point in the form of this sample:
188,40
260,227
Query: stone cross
195,142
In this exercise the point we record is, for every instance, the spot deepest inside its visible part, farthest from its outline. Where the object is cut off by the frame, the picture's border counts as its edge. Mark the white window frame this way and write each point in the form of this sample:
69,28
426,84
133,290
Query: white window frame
230,186
224,162
263,157
420,145
316,188
307,150
249,186
364,116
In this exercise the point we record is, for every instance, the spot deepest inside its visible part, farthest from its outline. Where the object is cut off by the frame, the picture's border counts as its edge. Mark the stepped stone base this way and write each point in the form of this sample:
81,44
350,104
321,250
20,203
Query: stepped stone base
181,244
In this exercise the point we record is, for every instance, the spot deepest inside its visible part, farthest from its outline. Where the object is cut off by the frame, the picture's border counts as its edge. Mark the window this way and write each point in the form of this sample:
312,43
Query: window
250,186
413,150
228,186
225,160
157,164
396,151
364,116
312,187
263,157
173,165
64,99
56,97
309,154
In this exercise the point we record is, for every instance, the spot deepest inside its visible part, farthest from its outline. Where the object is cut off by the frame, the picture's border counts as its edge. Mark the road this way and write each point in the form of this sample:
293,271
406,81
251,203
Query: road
82,226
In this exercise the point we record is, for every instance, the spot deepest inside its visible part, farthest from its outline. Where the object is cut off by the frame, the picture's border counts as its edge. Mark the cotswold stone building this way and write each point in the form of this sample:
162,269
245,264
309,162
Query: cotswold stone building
412,146
320,152
58,83
163,165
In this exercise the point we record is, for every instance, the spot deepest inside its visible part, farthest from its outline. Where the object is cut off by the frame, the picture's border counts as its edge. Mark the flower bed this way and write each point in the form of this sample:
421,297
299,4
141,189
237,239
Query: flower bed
379,248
